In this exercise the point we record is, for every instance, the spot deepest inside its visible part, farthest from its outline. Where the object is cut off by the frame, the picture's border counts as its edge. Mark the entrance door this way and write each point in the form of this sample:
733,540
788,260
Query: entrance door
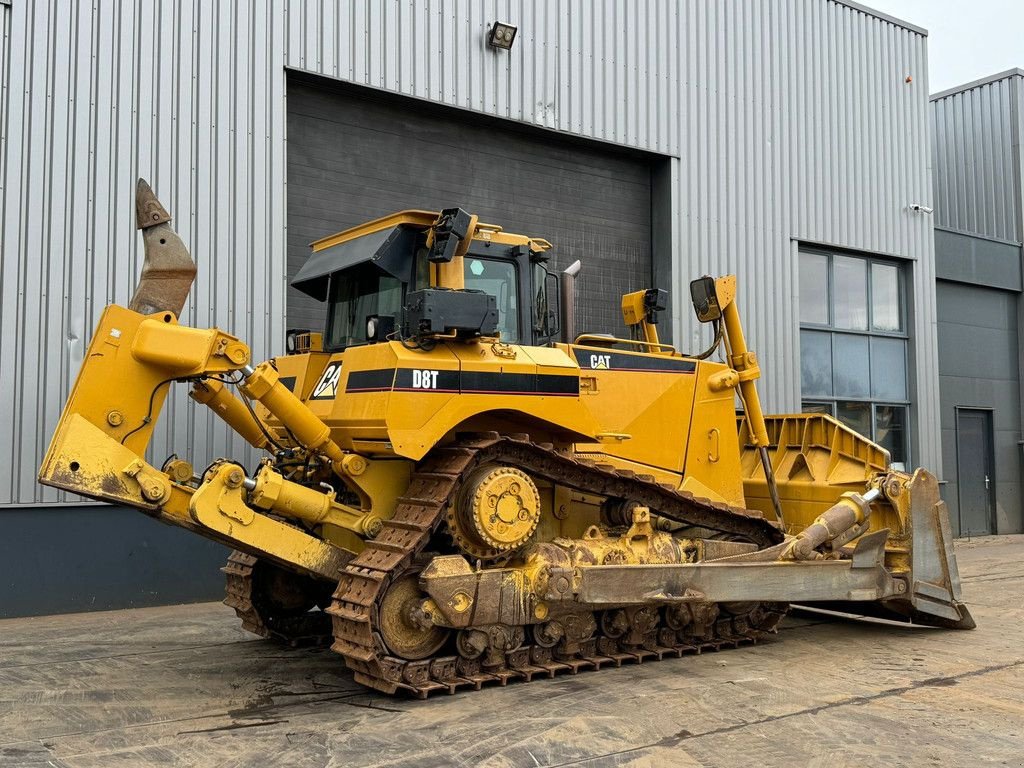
974,470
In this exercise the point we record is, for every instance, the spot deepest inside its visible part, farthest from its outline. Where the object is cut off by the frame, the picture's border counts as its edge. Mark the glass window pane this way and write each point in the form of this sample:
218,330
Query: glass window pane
814,288
857,416
886,308
498,278
850,293
355,294
808,406
888,369
816,363
891,431
850,374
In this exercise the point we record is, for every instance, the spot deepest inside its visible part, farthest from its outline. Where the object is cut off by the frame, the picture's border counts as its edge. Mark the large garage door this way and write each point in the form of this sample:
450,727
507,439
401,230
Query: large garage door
354,157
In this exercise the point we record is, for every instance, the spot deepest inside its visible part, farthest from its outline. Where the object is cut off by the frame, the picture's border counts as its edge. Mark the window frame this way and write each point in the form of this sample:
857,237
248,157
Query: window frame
523,258
871,260
332,305
903,334
516,287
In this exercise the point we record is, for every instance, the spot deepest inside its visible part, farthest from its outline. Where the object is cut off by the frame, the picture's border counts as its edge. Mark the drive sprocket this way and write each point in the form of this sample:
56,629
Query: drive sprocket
495,513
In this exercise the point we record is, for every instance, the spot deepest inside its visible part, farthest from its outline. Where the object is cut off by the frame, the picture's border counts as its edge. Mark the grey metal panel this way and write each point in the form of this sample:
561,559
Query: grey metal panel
884,17
792,121
978,342
978,83
98,558
976,158
354,157
977,260
5,78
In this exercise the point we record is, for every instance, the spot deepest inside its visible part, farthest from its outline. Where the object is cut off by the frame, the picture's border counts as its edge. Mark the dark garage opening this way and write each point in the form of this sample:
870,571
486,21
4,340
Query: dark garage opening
356,154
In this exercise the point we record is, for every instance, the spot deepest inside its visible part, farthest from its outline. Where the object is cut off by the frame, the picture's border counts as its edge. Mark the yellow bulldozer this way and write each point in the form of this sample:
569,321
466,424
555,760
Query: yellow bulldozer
456,488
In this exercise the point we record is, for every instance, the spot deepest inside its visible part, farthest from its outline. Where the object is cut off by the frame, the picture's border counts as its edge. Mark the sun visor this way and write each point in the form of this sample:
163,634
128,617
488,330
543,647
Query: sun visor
391,250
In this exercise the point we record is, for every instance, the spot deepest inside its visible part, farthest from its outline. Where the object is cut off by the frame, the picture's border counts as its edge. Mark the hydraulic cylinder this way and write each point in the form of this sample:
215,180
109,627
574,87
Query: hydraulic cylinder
264,384
218,398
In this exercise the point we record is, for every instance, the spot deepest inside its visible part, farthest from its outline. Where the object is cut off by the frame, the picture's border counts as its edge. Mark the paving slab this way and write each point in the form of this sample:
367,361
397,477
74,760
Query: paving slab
186,686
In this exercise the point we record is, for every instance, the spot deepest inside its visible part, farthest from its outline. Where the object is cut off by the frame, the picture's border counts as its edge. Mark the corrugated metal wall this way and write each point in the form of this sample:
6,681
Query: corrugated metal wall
5,70
976,157
791,120
184,94
796,122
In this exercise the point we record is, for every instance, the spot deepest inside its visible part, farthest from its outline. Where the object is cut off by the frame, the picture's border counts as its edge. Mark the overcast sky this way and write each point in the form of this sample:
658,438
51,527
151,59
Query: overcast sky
967,39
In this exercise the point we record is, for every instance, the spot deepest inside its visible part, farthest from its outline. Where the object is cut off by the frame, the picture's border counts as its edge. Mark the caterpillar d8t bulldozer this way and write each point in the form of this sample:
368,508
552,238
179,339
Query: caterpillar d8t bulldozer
456,488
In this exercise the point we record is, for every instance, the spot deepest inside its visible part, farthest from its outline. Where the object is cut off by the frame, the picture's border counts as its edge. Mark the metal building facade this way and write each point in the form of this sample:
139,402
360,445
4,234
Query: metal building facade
979,231
788,122
977,163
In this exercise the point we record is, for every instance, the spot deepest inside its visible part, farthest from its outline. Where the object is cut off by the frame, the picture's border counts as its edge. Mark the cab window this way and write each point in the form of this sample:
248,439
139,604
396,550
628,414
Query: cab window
357,293
540,302
498,278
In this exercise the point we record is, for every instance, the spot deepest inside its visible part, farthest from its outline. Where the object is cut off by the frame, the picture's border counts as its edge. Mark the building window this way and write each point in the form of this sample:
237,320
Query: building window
853,345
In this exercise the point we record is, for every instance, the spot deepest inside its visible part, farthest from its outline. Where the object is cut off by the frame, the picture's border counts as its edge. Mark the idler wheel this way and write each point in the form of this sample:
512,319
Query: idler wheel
405,629
273,602
280,593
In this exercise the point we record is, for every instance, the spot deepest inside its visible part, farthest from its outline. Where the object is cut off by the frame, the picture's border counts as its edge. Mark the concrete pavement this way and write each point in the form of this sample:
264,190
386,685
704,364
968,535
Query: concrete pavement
185,686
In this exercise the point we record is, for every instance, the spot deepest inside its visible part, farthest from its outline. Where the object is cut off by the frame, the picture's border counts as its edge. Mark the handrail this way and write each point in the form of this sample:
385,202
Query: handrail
615,340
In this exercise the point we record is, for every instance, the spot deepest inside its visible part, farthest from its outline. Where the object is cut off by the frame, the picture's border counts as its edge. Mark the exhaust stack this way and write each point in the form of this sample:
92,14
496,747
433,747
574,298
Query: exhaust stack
568,302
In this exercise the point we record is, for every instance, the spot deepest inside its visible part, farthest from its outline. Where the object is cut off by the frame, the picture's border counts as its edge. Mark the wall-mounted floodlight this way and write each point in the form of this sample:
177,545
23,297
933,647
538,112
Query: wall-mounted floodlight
501,35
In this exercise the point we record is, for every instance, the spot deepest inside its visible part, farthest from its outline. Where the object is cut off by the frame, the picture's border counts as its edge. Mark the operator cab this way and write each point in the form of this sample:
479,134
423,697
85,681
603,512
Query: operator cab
383,280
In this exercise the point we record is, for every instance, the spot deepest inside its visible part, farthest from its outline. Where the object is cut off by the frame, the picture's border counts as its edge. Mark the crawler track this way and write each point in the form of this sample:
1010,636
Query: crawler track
421,511
264,598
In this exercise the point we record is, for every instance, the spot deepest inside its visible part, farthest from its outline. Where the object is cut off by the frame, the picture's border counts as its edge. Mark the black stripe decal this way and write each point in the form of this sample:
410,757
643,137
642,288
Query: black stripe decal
605,359
519,383
370,381
466,382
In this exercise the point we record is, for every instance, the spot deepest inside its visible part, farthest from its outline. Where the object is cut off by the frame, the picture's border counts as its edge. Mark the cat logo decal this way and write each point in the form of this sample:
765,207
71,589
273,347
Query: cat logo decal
327,387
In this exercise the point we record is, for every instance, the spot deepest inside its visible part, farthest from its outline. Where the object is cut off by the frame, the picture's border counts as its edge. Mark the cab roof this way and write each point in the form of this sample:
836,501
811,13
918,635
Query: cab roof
387,243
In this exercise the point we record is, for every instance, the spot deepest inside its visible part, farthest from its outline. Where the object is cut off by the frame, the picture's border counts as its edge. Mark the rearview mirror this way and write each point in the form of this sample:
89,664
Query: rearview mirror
705,299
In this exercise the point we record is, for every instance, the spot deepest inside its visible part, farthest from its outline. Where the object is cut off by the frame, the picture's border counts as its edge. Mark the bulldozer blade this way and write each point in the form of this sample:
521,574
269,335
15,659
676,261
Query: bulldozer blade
934,596
168,270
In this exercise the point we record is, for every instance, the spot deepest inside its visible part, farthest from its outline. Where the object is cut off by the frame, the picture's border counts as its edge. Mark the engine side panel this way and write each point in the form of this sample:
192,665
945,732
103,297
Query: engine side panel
387,399
635,410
